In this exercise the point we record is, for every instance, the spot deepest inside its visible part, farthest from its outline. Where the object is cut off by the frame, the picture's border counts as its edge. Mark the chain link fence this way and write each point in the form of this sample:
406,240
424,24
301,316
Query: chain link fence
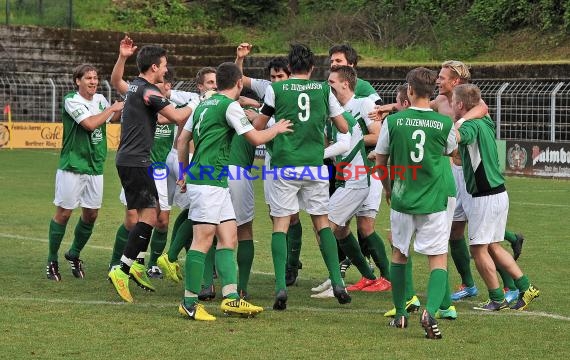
523,109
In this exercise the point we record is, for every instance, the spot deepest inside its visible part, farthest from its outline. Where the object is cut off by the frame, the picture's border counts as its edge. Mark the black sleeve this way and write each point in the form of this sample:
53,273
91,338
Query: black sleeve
267,110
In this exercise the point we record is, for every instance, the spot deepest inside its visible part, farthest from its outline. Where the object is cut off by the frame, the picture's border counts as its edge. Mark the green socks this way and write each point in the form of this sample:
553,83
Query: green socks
398,272
510,236
522,283
208,278
294,242
508,281
330,255
179,220
437,285
460,255
82,234
350,247
446,303
279,255
55,236
193,272
157,245
181,236
410,291
378,253
121,239
245,252
497,295
227,269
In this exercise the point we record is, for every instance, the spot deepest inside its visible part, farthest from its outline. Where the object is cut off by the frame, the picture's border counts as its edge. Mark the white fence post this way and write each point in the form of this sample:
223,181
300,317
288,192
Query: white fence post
53,102
498,116
108,87
553,111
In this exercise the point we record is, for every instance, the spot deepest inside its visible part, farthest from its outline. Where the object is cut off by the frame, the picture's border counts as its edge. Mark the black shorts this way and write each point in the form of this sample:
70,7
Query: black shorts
139,186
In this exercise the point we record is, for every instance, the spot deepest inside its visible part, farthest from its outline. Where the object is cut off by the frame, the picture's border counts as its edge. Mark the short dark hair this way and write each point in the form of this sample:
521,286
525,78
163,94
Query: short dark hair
227,75
301,59
201,74
468,94
402,90
346,73
149,55
279,63
347,50
80,70
169,76
422,80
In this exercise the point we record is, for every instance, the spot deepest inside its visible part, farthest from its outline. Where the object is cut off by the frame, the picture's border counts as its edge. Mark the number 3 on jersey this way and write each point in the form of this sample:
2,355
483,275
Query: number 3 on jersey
419,146
305,106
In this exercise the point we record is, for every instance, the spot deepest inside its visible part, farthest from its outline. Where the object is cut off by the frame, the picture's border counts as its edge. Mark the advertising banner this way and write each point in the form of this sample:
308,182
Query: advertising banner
538,158
31,135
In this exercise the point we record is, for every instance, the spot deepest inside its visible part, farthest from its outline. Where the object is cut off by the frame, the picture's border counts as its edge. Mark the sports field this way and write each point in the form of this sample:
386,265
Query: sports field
85,319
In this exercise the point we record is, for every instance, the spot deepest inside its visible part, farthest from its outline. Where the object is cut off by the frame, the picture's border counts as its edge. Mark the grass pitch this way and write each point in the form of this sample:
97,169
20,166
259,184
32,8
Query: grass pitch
85,319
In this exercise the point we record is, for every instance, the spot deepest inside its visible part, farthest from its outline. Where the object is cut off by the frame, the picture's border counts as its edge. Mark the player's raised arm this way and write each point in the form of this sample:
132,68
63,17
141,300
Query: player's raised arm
126,50
242,51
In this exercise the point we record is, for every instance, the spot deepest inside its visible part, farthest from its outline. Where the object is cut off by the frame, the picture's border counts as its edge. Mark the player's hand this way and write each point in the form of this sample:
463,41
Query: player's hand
117,106
251,114
379,111
243,50
182,184
372,155
245,101
127,48
283,126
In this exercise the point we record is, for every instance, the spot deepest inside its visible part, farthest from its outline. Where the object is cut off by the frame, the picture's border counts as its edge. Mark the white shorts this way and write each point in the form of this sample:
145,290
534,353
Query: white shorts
344,204
175,197
371,205
487,218
73,190
210,204
241,191
451,203
432,232
290,193
463,197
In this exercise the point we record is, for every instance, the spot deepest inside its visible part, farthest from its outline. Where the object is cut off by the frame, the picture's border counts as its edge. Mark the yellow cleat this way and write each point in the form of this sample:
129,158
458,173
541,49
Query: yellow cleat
195,311
120,281
139,275
239,307
412,305
170,269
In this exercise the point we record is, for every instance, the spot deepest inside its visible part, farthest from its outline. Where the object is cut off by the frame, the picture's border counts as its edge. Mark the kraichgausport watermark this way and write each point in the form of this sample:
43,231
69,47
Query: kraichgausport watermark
344,172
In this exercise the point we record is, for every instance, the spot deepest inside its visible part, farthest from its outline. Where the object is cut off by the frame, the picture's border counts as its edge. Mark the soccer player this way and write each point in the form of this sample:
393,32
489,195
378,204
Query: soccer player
79,178
212,128
297,162
345,54
489,206
352,192
415,141
278,71
142,104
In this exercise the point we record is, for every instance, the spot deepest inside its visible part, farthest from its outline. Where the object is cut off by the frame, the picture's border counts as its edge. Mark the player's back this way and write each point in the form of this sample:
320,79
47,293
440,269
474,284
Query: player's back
305,103
418,138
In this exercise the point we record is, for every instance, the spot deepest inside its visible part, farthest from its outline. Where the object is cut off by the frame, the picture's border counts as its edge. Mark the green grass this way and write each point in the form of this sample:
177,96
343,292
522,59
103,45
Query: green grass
85,320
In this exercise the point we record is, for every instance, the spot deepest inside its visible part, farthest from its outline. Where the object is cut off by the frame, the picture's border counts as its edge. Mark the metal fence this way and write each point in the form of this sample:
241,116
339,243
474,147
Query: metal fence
523,109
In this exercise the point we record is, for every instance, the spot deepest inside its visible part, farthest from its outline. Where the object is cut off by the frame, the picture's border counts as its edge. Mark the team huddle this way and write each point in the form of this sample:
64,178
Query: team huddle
318,136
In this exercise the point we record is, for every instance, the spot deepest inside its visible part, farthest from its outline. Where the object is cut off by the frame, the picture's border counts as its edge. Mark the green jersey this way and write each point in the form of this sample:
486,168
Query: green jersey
83,151
308,105
163,138
480,160
242,153
363,89
417,139
213,125
351,161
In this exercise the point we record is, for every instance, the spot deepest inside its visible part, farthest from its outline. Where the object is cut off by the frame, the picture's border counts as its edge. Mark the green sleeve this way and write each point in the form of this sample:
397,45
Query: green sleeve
468,131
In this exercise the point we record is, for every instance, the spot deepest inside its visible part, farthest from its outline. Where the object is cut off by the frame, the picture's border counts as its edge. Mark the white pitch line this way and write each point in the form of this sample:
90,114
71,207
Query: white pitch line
538,204
29,238
293,308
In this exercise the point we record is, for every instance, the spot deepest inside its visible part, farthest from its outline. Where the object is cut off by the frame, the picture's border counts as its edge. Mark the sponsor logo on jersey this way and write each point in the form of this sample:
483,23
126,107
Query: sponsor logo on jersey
163,131
96,136
77,112
244,122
